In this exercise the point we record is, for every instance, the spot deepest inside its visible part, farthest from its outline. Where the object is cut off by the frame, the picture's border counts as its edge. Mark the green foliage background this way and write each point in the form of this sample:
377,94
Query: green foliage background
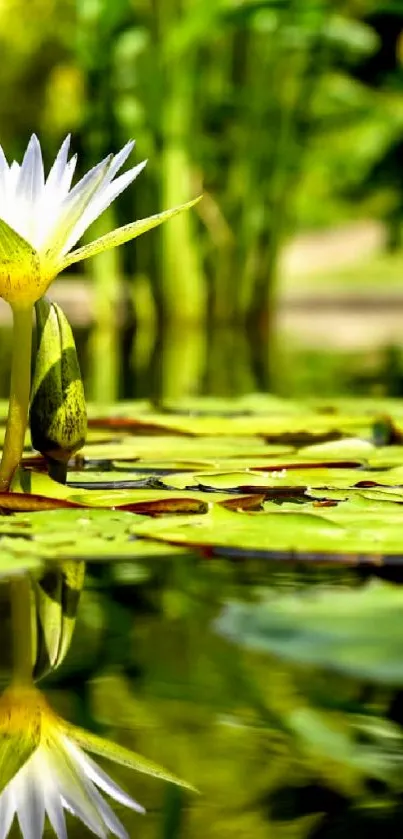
288,116
285,114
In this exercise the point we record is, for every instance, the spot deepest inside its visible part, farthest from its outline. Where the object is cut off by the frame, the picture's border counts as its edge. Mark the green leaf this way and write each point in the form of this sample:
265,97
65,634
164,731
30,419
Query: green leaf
254,532
53,537
33,491
350,448
124,234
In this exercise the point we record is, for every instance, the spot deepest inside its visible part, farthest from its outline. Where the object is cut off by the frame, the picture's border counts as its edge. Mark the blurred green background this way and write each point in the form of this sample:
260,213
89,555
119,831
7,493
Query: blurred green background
288,116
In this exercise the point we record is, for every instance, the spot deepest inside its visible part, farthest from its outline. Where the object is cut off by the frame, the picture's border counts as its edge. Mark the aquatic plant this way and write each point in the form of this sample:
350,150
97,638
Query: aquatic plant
40,223
58,413
55,773
44,769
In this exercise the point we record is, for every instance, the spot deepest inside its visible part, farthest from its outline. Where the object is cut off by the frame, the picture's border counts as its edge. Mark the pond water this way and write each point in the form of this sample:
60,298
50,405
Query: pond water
275,749
140,363
228,362
239,619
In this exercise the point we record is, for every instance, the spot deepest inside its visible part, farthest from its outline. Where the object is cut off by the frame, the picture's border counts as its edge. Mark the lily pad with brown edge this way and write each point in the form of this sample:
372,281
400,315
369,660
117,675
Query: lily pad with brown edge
40,487
311,535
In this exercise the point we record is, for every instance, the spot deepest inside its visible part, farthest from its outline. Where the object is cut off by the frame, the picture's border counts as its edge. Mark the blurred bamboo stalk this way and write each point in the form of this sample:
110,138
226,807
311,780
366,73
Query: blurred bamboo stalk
296,78
192,71
182,286
180,361
104,350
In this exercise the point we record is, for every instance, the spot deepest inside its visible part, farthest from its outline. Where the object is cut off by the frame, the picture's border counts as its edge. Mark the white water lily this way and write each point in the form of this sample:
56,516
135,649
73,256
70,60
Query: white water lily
44,771
42,220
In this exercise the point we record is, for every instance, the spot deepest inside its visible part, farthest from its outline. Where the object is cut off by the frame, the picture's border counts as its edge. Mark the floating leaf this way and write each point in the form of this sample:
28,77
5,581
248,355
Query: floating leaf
62,535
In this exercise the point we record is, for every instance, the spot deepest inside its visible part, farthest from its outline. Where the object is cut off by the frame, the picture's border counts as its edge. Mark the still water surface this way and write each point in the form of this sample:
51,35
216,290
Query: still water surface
263,741
148,668
136,362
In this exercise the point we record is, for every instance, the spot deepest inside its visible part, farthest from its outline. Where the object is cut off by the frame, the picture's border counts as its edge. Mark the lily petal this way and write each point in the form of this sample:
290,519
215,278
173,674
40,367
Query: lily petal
7,812
30,804
3,174
54,809
110,818
100,202
120,158
73,206
31,177
56,173
71,786
99,777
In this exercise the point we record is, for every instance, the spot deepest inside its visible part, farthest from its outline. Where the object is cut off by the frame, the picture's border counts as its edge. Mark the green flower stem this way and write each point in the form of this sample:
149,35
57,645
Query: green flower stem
21,615
19,394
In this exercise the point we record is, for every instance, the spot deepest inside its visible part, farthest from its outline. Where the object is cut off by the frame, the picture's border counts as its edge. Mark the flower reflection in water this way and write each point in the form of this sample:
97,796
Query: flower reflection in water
57,774
44,769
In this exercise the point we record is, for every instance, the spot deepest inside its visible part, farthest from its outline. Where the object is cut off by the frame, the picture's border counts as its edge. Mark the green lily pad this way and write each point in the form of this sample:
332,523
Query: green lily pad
255,475
259,532
60,535
313,533
249,480
348,448
31,491
160,448
305,426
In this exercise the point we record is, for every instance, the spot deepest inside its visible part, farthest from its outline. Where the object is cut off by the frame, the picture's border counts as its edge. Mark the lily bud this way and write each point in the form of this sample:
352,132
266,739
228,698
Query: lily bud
58,414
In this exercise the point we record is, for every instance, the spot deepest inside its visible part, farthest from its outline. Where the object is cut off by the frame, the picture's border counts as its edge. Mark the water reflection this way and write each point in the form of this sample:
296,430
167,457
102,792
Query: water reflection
46,771
56,596
44,766
136,659
275,749
180,361
226,362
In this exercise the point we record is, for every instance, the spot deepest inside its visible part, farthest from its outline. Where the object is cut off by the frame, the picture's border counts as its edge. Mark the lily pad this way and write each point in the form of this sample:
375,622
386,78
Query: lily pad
256,475
312,533
37,491
32,540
